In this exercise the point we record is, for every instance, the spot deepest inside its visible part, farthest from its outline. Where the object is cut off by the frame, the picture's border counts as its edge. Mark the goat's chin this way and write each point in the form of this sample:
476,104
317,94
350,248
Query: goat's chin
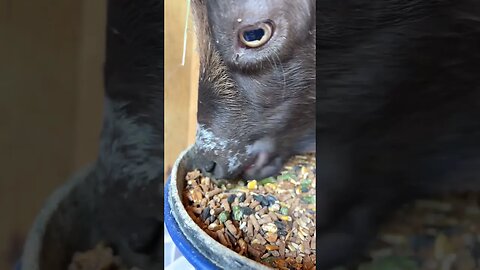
264,167
305,148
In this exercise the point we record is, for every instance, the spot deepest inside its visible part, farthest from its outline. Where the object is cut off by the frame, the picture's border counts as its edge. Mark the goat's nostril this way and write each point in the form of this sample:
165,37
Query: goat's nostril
210,166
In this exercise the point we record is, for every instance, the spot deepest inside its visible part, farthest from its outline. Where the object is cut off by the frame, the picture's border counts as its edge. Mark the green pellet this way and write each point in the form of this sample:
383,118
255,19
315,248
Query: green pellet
308,199
269,260
306,183
267,181
237,213
223,216
286,176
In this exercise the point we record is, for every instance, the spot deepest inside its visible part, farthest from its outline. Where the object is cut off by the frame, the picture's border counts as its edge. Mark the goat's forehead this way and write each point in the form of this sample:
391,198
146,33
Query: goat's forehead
255,7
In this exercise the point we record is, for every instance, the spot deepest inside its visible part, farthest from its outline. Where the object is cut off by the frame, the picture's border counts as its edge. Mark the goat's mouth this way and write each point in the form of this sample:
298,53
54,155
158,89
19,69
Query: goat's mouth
263,165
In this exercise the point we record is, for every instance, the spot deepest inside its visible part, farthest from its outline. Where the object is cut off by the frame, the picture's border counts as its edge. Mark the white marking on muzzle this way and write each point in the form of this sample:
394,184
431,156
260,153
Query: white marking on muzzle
206,140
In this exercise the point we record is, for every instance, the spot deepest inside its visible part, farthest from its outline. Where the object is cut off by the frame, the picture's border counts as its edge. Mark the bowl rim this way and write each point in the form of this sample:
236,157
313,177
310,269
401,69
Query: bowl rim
33,245
229,257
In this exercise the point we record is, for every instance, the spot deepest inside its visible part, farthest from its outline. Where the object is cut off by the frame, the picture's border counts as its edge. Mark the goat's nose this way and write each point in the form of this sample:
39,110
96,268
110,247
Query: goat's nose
209,167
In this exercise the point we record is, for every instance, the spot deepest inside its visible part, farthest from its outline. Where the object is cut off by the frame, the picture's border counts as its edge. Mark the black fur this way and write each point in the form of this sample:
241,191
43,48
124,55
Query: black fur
130,165
398,112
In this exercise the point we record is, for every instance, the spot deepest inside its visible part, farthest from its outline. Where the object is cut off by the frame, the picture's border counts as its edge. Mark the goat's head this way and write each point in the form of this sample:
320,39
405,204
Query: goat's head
256,105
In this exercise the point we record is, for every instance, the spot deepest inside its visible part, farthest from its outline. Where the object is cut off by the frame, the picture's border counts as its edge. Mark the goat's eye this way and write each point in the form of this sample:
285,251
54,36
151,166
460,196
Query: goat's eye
256,36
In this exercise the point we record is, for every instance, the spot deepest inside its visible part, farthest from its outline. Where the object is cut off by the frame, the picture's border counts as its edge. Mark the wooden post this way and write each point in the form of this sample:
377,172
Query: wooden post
180,82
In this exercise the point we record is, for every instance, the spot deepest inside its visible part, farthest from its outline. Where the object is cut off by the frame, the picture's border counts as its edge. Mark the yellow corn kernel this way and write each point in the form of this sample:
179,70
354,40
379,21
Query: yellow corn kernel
270,185
252,185
286,218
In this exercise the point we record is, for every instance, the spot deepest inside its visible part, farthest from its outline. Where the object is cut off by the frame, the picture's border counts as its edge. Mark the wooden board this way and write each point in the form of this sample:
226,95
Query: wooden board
180,82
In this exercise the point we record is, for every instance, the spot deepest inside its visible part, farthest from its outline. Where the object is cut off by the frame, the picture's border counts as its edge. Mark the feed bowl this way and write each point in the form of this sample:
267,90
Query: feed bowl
63,226
202,251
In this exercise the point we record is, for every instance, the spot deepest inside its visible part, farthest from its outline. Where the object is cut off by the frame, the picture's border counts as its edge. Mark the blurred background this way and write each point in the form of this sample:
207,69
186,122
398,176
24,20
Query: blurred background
51,99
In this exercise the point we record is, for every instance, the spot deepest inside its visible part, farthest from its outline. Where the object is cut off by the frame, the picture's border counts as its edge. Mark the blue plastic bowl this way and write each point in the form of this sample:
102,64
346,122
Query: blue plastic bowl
201,250
197,259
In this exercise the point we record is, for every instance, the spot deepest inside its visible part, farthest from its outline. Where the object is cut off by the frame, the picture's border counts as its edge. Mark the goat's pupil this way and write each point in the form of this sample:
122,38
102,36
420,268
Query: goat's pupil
253,35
